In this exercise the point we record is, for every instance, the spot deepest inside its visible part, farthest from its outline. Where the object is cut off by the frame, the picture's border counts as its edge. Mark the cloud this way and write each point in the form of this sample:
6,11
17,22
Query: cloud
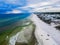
14,11
39,5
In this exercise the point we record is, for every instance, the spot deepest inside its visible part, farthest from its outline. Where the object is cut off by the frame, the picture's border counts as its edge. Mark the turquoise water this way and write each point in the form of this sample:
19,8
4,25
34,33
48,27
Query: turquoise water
8,19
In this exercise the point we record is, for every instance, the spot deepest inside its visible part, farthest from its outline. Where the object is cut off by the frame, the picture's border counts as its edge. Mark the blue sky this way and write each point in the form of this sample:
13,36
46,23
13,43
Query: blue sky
29,4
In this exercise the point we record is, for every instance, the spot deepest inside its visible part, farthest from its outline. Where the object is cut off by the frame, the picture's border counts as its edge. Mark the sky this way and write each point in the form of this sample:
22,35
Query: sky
42,4
28,5
9,5
33,5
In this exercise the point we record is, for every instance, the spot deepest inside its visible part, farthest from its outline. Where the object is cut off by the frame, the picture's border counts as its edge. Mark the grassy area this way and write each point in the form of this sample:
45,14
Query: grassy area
5,36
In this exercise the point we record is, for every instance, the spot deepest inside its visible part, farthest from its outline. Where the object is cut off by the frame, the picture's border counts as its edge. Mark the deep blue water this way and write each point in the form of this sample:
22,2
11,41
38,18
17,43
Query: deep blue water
7,19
